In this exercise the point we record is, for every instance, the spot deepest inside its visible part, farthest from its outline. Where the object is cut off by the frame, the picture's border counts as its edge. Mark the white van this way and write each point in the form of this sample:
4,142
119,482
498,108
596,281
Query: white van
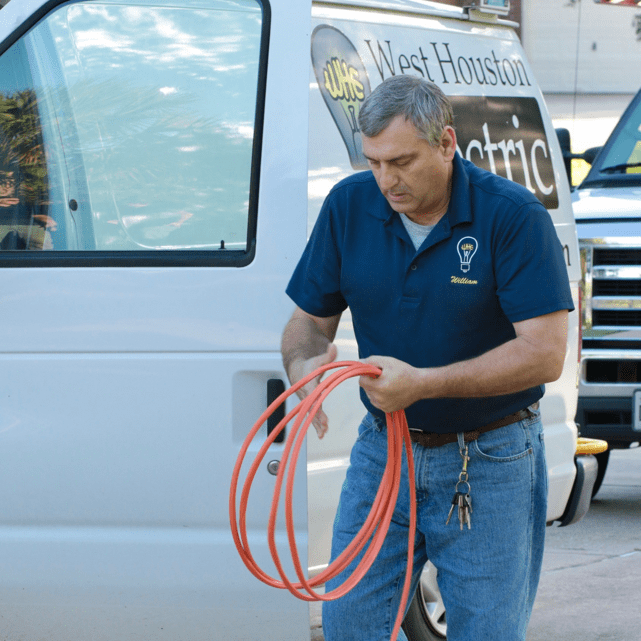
161,164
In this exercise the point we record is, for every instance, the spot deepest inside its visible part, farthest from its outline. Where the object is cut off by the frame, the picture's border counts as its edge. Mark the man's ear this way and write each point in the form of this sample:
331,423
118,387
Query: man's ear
448,143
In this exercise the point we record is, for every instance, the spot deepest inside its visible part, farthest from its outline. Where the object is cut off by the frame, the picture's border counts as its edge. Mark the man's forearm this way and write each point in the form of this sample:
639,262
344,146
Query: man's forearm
534,357
509,368
503,370
304,338
301,341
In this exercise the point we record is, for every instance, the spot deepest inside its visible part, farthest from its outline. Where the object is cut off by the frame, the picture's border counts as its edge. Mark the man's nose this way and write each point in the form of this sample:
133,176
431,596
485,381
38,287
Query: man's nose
388,177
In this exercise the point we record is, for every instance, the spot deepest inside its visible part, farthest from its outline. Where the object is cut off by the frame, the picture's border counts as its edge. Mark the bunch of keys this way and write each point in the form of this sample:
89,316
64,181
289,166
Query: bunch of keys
462,500
464,504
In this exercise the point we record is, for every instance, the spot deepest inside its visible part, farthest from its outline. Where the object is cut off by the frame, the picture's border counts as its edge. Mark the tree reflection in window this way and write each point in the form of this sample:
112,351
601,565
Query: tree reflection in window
24,219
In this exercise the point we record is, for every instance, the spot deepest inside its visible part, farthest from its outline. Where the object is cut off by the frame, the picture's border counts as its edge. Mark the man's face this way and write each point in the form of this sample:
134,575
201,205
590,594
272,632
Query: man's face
414,176
7,189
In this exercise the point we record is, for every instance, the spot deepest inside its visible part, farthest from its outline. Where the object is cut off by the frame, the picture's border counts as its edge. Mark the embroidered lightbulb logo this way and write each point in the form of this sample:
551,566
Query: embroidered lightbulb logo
466,249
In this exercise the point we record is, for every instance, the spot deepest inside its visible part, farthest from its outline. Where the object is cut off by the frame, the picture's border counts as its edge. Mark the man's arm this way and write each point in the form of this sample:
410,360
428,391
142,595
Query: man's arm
307,343
534,357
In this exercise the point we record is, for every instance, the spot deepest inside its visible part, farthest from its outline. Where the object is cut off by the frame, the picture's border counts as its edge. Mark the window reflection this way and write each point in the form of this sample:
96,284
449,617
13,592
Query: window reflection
144,121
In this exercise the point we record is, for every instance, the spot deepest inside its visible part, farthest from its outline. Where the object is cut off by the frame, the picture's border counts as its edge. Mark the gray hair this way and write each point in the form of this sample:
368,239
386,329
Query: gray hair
420,101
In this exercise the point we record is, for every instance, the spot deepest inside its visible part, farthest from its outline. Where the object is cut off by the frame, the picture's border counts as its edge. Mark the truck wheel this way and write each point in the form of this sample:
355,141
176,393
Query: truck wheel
602,459
425,618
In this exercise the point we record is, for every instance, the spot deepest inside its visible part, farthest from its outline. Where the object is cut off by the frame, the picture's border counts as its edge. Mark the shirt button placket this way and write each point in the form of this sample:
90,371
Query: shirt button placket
410,287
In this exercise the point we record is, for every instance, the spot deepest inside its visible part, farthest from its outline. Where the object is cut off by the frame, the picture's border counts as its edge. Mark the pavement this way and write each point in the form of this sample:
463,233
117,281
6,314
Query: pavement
590,588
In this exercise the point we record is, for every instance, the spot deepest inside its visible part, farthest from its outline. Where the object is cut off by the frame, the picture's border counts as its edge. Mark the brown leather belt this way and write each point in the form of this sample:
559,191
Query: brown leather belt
433,439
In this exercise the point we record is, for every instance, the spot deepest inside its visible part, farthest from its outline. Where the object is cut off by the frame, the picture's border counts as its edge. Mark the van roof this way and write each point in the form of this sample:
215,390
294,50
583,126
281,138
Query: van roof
424,7
418,6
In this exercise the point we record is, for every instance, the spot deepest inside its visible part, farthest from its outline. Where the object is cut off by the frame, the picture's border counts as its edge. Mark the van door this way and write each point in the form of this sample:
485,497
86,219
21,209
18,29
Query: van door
147,194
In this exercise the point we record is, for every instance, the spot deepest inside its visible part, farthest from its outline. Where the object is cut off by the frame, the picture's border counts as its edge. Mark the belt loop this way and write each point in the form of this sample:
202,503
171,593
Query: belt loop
460,436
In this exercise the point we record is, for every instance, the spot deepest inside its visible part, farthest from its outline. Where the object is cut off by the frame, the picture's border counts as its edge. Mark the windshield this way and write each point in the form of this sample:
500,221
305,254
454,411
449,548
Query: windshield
622,154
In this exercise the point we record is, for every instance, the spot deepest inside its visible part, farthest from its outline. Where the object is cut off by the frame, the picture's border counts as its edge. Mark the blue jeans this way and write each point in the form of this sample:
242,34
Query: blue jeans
488,575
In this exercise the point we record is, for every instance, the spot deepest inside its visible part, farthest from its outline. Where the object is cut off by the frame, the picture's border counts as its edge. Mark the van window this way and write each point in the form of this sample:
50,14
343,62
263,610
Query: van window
130,129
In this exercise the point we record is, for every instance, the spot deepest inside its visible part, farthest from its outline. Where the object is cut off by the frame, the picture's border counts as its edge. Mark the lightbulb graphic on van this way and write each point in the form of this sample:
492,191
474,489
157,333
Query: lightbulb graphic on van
466,249
344,84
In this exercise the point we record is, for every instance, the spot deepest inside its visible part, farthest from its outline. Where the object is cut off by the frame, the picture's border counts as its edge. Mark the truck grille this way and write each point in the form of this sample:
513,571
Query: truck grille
616,288
612,371
612,286
617,256
616,318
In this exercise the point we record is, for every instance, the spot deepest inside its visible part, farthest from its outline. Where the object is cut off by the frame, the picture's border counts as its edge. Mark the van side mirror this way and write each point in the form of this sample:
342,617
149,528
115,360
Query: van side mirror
590,154
566,150
564,141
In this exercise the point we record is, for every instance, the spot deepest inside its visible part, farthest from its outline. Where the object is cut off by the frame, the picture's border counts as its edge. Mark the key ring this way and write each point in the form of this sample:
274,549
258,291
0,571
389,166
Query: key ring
461,482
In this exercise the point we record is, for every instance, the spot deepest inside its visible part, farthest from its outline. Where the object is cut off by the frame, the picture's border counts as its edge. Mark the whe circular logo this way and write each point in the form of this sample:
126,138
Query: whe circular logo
344,85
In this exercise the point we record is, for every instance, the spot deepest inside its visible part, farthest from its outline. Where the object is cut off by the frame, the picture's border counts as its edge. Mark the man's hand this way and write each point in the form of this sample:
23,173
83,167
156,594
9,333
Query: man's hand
301,368
307,344
396,387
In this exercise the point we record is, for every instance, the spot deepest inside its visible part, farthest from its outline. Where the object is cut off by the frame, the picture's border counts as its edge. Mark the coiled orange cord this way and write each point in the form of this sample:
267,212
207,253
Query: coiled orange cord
377,523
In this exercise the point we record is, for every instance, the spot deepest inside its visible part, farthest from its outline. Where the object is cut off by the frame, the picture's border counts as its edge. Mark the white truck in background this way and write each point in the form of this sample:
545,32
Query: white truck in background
607,208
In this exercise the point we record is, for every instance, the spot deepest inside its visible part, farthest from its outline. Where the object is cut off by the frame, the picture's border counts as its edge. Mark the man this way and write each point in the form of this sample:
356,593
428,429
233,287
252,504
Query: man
458,291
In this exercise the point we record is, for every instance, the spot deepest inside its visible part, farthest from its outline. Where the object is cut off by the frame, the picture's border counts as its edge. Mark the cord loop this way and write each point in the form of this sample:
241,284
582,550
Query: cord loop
377,523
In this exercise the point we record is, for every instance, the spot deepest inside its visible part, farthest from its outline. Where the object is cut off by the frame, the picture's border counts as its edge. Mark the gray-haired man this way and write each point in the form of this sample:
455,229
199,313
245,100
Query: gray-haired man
458,291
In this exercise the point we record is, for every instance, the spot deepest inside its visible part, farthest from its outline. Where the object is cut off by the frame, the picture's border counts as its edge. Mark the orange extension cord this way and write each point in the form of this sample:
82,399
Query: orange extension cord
378,520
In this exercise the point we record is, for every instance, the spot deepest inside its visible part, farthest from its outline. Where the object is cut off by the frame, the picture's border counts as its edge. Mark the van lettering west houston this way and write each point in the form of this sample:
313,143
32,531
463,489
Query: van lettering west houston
504,135
457,69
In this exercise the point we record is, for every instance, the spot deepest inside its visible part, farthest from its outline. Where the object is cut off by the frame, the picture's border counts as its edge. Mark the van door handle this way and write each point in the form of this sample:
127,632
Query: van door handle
275,387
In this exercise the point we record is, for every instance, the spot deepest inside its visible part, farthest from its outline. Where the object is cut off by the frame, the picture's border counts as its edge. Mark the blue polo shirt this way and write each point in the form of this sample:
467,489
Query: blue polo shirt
494,259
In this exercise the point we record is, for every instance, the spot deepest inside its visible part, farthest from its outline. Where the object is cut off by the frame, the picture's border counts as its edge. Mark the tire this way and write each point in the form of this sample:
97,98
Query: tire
425,618
602,459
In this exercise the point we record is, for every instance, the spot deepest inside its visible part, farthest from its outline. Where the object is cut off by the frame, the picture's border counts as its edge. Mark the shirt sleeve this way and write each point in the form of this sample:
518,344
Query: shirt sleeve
315,285
530,270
